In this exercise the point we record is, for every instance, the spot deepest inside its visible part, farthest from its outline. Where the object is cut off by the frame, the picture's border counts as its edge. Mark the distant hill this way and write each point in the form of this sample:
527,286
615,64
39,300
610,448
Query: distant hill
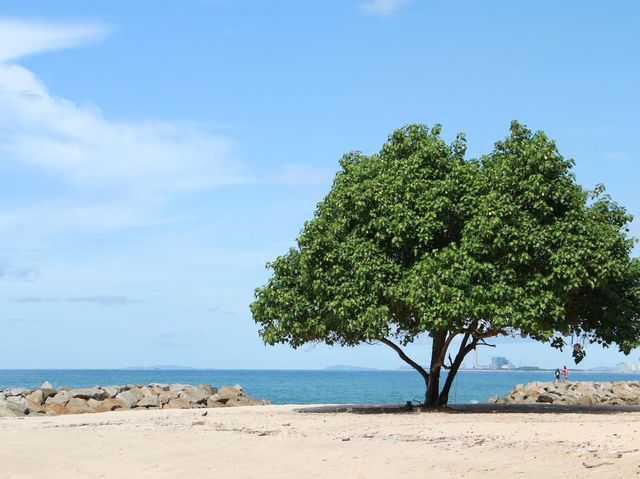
169,367
347,367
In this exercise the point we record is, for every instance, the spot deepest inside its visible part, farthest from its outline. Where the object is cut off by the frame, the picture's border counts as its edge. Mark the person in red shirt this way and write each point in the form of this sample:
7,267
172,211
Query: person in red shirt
565,374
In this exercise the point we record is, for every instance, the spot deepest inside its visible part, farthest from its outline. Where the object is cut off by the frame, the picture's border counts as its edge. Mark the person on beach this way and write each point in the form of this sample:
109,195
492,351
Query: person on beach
557,374
565,374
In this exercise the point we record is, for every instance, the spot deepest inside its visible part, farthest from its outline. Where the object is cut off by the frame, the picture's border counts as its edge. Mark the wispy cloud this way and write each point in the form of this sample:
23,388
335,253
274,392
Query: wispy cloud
18,273
35,299
104,299
82,146
118,174
616,156
101,299
19,38
31,321
382,7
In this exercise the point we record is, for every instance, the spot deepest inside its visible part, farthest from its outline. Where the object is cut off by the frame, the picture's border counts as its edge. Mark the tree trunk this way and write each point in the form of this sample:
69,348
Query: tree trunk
443,399
433,384
465,349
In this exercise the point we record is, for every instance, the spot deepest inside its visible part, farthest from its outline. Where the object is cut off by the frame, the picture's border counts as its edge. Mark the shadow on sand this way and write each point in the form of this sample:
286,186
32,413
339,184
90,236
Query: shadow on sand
470,409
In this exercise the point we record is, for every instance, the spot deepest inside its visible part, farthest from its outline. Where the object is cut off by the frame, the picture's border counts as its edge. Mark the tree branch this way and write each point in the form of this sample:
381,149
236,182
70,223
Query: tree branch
405,358
482,342
488,334
446,345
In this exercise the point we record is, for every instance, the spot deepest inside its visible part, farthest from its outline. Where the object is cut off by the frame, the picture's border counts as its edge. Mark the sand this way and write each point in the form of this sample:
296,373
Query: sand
277,442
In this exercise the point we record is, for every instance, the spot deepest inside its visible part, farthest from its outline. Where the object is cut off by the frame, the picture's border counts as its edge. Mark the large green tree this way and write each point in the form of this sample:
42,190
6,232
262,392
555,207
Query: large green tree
418,240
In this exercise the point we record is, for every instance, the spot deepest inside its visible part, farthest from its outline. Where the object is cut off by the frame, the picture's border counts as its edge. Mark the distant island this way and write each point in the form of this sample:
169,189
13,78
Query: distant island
169,367
347,367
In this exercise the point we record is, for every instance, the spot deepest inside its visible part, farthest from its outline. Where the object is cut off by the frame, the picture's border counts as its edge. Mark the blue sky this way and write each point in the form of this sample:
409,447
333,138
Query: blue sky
155,155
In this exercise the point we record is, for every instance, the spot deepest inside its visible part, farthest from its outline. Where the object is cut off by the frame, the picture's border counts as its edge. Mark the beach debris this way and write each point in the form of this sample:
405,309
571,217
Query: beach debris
591,466
20,402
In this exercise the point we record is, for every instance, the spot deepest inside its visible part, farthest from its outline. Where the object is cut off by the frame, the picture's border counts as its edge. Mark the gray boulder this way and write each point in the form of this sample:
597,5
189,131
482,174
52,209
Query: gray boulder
62,397
47,393
178,387
159,387
149,401
546,398
179,403
207,387
89,393
78,405
17,392
226,392
34,402
36,397
213,402
139,393
128,398
245,401
112,391
166,396
194,395
17,408
110,404
9,412
588,400
56,409
93,404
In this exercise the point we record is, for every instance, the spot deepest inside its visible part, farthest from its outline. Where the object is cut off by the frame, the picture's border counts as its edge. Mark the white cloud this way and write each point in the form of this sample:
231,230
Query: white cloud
19,38
118,174
382,7
18,273
87,149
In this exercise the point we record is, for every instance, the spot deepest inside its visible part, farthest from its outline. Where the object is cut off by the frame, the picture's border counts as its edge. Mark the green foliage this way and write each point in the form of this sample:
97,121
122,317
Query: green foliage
415,239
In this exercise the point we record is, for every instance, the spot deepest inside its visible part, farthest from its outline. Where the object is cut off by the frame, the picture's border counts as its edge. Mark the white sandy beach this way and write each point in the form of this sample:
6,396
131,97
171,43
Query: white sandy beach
277,442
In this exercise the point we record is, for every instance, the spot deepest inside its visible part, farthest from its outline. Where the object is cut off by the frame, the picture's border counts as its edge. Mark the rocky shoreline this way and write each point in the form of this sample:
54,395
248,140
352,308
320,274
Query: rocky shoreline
49,401
577,393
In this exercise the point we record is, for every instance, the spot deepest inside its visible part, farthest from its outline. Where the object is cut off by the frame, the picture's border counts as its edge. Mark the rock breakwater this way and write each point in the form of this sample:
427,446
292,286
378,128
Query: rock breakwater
611,393
50,401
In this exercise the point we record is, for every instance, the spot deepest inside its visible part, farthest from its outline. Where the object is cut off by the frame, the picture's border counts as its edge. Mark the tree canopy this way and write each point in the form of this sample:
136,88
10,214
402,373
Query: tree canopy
417,240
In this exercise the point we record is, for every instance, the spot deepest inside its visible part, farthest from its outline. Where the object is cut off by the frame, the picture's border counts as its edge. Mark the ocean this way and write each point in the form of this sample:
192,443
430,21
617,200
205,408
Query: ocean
307,387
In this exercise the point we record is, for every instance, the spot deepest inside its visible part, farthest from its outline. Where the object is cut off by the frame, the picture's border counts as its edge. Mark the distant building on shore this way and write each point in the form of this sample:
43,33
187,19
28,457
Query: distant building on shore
500,362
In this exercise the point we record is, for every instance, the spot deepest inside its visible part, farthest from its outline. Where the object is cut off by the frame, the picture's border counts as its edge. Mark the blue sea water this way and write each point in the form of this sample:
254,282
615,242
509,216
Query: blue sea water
307,387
